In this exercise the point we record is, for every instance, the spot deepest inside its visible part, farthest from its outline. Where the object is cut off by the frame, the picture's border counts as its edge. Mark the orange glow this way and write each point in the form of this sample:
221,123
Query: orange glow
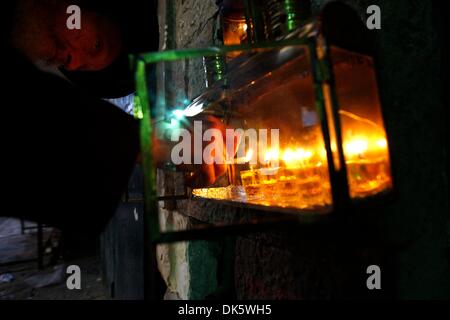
356,147
272,155
382,143
368,167
293,171
297,174
365,145
296,158
249,155
235,31
292,176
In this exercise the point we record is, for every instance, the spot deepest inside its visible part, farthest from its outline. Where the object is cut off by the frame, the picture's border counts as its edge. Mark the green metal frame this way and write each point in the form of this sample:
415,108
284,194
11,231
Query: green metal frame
143,113
322,74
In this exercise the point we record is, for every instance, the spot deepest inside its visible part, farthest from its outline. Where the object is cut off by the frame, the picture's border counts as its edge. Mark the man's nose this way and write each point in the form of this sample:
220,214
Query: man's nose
73,61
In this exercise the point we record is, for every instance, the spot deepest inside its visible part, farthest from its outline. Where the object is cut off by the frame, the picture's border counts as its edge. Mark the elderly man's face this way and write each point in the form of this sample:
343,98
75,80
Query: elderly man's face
93,47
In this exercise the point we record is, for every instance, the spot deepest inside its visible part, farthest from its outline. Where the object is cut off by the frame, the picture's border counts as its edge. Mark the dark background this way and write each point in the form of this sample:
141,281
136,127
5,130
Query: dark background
67,155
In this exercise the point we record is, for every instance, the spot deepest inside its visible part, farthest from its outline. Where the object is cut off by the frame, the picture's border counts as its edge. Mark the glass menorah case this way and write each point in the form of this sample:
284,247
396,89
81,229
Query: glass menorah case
289,126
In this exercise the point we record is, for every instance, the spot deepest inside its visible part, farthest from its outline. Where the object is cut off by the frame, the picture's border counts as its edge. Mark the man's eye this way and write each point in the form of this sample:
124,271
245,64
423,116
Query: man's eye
97,46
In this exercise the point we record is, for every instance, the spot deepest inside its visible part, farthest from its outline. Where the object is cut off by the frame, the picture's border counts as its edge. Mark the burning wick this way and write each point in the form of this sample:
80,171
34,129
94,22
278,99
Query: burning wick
356,147
360,146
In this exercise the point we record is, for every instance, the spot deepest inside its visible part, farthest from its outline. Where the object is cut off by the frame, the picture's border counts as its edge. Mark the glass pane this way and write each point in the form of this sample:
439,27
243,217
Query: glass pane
261,106
364,137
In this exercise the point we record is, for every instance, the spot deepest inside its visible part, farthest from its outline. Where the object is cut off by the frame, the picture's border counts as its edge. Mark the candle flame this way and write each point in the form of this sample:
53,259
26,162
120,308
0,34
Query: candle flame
271,155
288,156
293,157
249,155
359,146
300,155
356,147
382,143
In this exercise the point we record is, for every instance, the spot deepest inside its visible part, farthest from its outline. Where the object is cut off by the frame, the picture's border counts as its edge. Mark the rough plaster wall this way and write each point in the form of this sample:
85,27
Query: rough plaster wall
189,269
292,266
410,79
195,25
410,75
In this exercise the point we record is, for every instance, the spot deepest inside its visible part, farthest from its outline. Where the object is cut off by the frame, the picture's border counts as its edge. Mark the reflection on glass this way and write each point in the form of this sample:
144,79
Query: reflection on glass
293,172
272,90
364,137
234,31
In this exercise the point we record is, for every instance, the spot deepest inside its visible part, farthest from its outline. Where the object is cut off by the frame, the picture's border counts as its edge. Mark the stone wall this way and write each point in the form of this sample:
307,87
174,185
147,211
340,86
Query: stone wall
189,269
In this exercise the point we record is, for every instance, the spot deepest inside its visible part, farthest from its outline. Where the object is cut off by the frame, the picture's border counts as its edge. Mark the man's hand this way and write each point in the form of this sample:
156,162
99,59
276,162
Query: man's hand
213,165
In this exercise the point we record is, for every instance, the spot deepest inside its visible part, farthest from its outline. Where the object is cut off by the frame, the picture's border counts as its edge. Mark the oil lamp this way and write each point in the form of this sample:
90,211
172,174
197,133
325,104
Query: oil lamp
304,116
234,24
